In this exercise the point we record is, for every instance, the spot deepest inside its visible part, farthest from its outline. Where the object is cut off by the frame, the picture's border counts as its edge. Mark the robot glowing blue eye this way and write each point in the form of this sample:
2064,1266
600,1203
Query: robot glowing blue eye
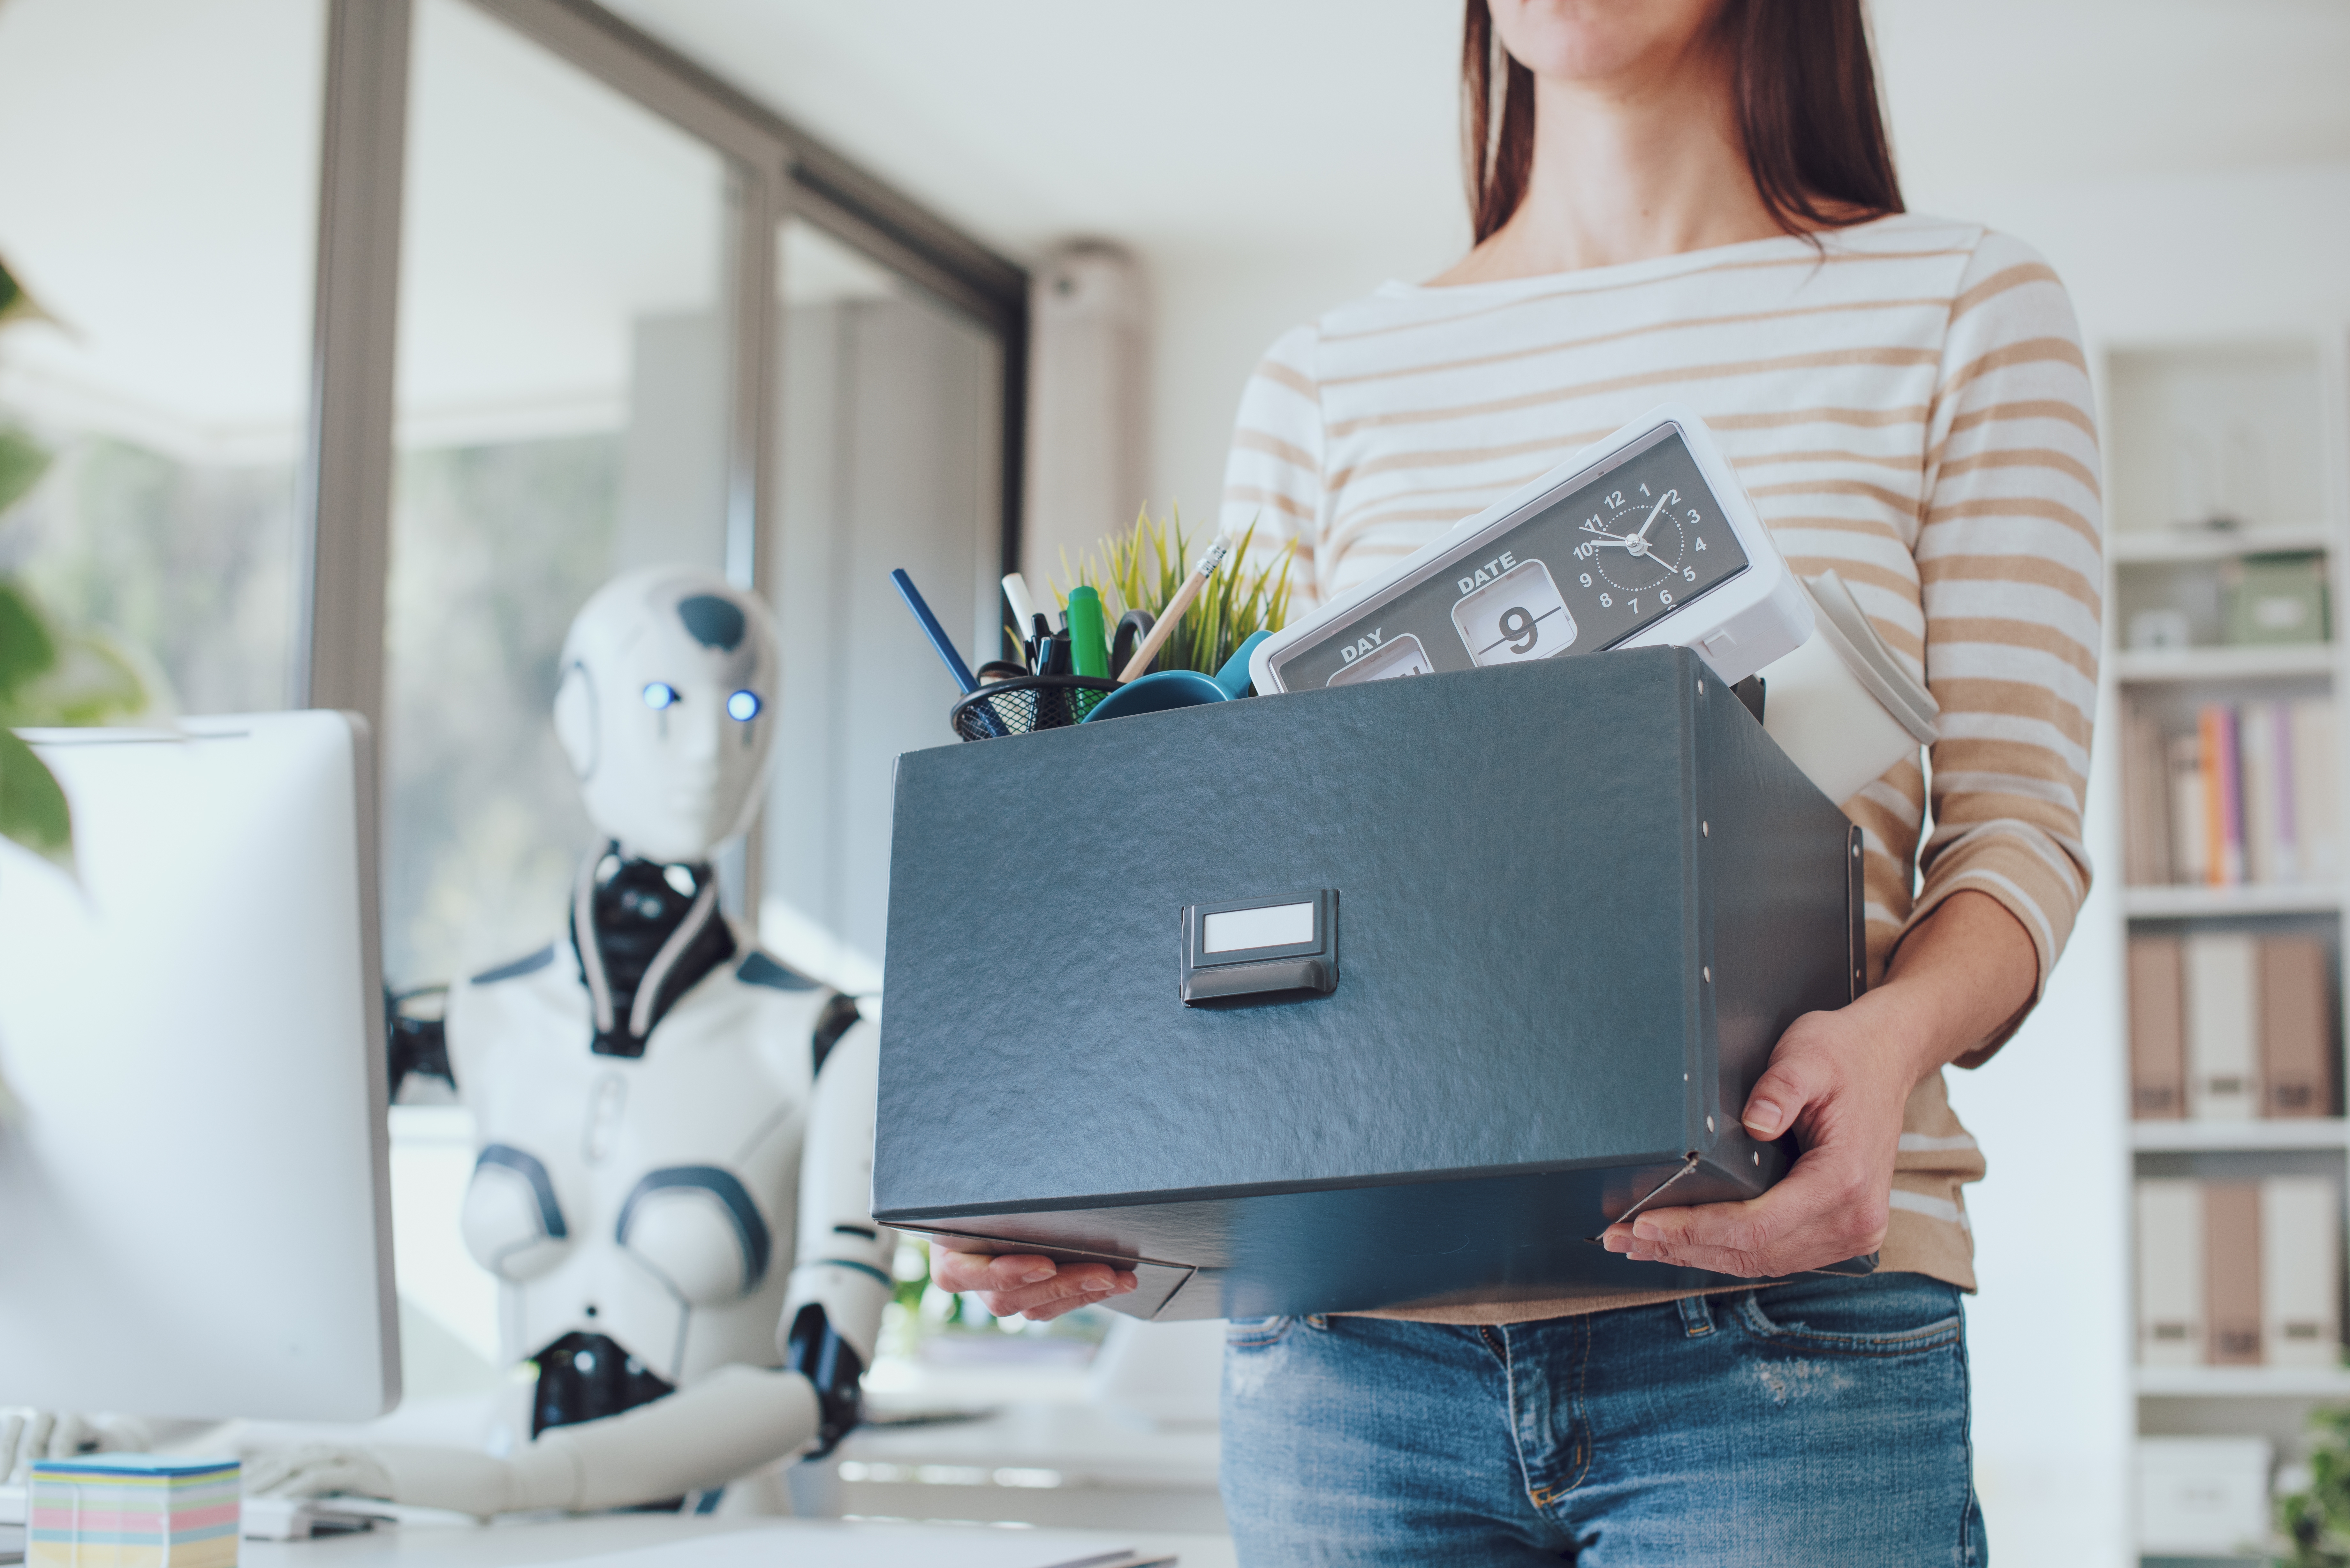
661,694
743,705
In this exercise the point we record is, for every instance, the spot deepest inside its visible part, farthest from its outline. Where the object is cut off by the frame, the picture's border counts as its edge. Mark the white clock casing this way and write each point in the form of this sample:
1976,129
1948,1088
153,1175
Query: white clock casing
1736,625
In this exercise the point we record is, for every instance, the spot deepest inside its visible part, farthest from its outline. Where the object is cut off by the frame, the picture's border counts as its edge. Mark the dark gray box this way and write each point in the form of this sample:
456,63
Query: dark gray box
1574,903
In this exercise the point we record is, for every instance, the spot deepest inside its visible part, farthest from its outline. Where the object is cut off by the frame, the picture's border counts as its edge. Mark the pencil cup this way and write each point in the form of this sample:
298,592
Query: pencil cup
1027,702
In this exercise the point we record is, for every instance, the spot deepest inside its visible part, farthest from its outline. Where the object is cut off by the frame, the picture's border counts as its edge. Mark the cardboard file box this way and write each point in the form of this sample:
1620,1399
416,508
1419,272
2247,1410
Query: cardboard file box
1522,939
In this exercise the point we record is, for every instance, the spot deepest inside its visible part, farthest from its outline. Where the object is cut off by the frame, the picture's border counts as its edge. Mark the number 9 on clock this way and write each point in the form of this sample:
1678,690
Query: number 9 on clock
1515,617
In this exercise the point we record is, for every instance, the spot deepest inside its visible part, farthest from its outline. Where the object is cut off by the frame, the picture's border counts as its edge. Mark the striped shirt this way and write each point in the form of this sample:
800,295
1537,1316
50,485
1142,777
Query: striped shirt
1907,404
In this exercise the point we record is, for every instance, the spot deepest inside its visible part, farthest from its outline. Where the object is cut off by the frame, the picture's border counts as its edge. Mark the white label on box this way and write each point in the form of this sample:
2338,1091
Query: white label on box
1515,616
1274,926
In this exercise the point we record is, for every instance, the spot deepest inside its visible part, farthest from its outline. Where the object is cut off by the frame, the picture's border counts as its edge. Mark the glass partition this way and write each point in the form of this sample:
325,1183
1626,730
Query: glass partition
158,194
562,416
888,451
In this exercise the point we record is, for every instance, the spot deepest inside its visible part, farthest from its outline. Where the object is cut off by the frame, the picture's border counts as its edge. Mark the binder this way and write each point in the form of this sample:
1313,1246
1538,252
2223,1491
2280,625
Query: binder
2222,984
1387,993
2301,1270
2296,1027
2317,828
2188,859
2232,1273
2146,804
2170,1315
2156,1030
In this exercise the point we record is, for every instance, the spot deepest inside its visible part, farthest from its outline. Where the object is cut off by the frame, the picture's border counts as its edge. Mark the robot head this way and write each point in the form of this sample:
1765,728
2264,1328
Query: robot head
667,708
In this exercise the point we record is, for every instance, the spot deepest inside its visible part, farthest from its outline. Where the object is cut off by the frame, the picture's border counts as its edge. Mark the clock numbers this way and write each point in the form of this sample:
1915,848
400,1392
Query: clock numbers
1665,595
1636,604
1644,490
1689,573
1604,600
1515,616
1587,579
1700,544
1616,498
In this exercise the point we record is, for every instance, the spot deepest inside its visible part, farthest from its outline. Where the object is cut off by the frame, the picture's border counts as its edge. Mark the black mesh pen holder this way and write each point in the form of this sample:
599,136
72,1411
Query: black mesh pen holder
1027,703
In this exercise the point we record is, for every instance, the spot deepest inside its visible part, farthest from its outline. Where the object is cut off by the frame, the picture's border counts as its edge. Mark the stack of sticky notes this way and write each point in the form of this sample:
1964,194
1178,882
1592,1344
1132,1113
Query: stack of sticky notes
132,1511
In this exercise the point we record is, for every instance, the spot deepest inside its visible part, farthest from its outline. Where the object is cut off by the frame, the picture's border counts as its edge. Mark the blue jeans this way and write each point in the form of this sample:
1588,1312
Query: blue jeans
1820,1422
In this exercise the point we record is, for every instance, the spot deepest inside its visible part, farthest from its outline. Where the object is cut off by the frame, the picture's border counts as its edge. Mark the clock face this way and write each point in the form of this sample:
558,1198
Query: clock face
1582,571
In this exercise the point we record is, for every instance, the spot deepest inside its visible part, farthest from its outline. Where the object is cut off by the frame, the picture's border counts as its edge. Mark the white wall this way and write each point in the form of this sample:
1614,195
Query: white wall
2148,259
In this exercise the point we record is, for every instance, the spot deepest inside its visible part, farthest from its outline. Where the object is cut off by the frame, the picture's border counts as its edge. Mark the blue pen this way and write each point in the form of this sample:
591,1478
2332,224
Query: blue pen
963,679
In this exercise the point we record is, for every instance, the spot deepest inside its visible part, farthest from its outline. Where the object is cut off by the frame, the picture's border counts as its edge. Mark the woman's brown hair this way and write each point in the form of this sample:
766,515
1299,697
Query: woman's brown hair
1807,112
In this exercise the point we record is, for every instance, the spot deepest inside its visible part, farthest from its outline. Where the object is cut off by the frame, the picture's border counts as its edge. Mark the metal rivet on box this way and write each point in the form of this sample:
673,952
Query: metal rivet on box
1701,686
1708,973
1709,1124
1706,828
1855,849
1758,1157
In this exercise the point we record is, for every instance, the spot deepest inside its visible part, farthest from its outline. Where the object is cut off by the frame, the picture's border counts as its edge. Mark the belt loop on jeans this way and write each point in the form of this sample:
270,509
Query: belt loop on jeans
1696,1315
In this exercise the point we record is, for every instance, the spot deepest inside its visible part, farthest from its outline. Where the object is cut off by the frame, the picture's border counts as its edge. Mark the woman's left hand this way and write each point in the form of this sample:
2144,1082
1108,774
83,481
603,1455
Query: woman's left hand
1840,1080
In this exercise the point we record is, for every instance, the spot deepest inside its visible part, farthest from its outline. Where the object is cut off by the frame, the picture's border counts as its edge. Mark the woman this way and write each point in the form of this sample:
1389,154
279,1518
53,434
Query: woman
1694,200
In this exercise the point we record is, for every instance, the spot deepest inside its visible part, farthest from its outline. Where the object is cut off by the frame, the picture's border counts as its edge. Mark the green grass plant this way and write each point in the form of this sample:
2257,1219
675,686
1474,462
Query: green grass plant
1141,568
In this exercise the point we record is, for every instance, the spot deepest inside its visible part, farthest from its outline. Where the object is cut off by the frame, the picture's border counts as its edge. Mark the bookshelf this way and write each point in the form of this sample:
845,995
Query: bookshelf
2228,466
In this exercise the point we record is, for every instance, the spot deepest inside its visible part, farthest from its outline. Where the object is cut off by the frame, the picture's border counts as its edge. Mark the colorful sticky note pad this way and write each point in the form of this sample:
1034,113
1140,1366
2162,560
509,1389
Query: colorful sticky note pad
132,1511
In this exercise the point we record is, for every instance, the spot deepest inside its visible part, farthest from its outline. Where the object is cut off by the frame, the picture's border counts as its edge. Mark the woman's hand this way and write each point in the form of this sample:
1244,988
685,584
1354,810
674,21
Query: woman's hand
1840,1080
1024,1285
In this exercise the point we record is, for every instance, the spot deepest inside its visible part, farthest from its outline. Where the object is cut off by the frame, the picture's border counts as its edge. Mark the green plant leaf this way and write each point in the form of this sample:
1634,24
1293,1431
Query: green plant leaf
15,304
92,681
33,809
27,648
23,460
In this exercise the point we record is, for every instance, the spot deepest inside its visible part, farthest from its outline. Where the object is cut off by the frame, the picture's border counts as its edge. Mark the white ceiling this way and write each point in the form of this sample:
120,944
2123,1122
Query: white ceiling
1235,126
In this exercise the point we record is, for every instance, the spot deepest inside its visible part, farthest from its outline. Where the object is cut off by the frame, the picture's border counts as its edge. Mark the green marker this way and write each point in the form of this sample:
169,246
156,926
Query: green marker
1088,644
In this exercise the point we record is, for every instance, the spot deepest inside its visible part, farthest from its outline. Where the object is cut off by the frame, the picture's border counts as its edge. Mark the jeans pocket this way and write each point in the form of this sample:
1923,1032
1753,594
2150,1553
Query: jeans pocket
1255,1333
1880,1314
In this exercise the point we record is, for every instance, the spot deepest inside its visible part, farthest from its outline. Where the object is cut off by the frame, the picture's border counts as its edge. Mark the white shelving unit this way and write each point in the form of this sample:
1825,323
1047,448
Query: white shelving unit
2262,431
2188,903
2171,666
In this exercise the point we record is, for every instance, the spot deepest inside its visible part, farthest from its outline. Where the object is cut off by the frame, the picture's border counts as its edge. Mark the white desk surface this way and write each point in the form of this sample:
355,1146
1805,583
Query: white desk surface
516,1543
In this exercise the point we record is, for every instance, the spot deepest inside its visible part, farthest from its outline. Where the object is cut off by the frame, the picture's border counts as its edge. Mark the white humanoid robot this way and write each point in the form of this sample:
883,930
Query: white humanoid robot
666,1116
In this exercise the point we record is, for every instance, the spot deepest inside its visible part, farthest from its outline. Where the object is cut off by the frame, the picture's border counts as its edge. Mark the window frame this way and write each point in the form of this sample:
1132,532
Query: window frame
777,170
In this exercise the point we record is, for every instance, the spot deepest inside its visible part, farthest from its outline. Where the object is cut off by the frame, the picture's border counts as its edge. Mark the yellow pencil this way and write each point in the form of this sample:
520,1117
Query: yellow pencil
1173,614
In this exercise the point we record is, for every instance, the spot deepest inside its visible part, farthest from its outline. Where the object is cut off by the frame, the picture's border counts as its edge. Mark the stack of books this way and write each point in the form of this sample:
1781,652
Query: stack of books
132,1511
2250,795
2238,1274
2226,1026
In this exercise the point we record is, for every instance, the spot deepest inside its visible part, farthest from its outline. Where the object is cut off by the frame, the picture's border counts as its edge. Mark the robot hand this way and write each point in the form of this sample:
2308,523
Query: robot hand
701,1436
27,1435
842,1279
316,1470
462,1480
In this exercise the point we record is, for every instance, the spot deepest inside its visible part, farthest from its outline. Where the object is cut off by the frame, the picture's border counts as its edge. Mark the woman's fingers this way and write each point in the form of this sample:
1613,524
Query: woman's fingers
1021,1284
1801,1072
1828,1208
960,1271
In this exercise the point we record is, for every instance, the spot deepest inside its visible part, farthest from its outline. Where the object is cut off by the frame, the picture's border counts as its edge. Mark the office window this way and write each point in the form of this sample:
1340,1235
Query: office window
158,192
562,415
890,453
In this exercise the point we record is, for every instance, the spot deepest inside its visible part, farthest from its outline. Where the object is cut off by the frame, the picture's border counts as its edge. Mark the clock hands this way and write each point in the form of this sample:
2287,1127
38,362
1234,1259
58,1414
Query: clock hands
1643,535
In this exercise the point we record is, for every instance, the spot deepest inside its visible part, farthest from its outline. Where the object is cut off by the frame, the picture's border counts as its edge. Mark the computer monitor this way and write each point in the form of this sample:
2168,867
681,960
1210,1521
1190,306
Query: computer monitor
194,1215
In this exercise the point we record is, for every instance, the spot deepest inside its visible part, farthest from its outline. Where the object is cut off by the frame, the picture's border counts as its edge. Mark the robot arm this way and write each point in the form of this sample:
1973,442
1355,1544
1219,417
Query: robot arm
704,1436
841,1279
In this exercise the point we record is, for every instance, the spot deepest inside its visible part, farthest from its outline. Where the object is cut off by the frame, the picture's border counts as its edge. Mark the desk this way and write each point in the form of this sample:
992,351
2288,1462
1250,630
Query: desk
1048,1453
514,1544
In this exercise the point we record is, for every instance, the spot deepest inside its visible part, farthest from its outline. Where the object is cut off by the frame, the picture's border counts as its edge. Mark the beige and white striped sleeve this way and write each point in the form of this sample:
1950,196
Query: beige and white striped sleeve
2010,560
1273,477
